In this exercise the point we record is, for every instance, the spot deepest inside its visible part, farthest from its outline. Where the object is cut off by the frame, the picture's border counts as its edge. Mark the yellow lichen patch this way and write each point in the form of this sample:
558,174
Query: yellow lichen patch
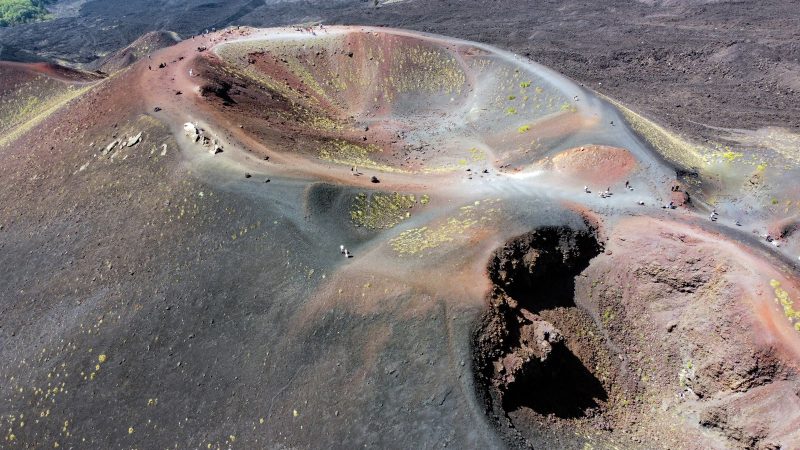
416,240
568,107
35,115
381,210
323,123
728,155
21,101
477,154
343,152
102,358
524,128
782,297
779,140
425,69
669,145
304,75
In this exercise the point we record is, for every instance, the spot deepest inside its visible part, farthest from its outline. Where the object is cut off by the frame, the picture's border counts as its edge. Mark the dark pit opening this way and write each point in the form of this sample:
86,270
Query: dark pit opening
562,386
538,269
521,359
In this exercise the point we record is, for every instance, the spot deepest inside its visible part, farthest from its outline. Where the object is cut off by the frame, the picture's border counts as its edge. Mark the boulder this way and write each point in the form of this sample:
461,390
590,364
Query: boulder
133,140
190,129
109,148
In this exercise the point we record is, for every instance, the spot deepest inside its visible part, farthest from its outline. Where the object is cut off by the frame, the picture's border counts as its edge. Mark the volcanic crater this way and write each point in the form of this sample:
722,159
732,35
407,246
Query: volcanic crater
379,237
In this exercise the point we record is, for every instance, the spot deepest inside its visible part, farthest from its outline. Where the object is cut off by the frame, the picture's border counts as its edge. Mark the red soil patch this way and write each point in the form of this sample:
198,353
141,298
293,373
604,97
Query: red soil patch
49,69
597,164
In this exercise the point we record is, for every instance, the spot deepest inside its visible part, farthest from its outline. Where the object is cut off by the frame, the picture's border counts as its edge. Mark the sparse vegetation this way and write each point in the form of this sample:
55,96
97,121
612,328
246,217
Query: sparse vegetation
568,107
782,297
381,210
477,155
347,153
416,241
31,102
668,144
731,156
13,12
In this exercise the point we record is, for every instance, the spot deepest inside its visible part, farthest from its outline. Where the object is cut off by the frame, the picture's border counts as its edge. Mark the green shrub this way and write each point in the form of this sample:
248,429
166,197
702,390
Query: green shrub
13,12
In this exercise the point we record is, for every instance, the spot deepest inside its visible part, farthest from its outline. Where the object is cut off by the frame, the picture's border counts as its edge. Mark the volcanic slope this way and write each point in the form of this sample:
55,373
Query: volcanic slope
173,275
31,91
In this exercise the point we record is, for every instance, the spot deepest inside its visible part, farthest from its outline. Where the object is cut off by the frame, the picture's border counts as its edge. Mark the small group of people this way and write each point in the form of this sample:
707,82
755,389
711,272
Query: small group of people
607,193
311,29
345,252
772,240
